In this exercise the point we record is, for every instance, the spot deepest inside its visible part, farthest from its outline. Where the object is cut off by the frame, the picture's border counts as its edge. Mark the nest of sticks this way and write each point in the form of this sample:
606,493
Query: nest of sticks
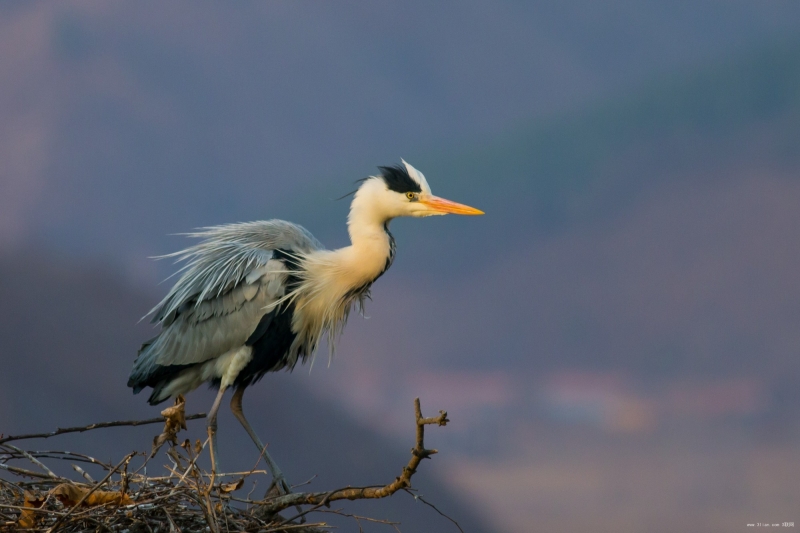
184,498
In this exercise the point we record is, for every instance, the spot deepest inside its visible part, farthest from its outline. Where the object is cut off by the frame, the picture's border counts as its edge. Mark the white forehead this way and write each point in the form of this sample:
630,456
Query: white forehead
417,176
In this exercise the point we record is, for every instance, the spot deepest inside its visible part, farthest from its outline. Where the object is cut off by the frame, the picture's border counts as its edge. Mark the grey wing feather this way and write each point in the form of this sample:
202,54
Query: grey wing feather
210,329
227,281
225,257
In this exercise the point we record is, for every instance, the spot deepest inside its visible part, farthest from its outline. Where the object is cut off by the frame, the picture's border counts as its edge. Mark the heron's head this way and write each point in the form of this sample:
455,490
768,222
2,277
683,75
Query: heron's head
402,191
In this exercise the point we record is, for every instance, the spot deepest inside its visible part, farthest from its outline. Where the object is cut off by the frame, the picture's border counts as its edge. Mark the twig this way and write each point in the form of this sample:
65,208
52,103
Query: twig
307,482
189,468
33,509
23,472
429,504
68,456
255,483
83,473
359,517
61,431
280,529
34,461
11,485
172,526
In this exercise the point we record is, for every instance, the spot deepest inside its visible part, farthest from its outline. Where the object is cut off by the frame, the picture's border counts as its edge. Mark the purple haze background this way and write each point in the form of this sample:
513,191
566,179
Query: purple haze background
616,341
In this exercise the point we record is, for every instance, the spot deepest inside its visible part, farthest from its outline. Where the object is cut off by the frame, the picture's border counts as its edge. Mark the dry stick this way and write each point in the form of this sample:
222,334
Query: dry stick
429,504
308,482
11,486
76,457
281,529
339,512
91,491
83,473
206,506
418,453
23,472
32,509
34,461
99,425
172,525
189,468
67,456
358,518
325,501
211,516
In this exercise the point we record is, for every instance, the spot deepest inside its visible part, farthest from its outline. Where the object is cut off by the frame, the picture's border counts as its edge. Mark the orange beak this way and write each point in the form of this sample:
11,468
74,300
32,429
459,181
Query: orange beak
440,205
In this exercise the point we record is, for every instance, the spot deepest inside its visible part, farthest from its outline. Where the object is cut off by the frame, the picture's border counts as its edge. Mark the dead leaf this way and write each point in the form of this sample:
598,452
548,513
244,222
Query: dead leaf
225,488
198,447
67,494
100,497
70,495
27,519
176,415
175,420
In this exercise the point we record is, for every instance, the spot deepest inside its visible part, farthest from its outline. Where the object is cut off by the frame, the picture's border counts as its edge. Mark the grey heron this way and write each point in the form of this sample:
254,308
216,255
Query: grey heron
258,297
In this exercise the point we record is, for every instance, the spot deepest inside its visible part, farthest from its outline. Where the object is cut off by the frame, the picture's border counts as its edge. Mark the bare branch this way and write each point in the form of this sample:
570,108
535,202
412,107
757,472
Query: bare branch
83,473
34,461
418,453
81,429
356,517
23,472
429,504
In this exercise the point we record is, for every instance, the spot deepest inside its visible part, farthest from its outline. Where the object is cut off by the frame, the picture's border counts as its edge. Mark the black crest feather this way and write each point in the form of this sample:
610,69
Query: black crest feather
398,180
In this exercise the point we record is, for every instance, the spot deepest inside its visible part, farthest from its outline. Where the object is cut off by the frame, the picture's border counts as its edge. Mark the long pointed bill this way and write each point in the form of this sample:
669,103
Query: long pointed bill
440,205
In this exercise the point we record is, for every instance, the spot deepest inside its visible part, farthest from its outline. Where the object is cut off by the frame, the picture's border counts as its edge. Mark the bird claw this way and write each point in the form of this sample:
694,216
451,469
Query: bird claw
279,487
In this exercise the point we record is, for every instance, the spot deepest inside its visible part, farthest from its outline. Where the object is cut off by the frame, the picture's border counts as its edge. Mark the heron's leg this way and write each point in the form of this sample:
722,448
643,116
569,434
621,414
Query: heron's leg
278,478
212,435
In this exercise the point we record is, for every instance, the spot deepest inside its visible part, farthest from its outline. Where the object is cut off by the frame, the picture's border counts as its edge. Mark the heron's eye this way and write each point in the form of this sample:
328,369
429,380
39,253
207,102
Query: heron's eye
410,195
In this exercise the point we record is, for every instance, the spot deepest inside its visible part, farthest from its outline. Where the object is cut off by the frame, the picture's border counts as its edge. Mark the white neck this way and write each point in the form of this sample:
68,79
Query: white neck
343,270
367,225
367,219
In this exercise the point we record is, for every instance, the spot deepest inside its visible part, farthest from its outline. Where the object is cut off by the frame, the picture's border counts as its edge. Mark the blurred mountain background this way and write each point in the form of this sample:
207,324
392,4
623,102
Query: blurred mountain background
616,340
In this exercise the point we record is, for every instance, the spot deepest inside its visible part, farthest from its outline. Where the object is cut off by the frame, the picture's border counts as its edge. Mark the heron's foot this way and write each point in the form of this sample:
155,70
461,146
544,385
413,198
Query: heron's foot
279,486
